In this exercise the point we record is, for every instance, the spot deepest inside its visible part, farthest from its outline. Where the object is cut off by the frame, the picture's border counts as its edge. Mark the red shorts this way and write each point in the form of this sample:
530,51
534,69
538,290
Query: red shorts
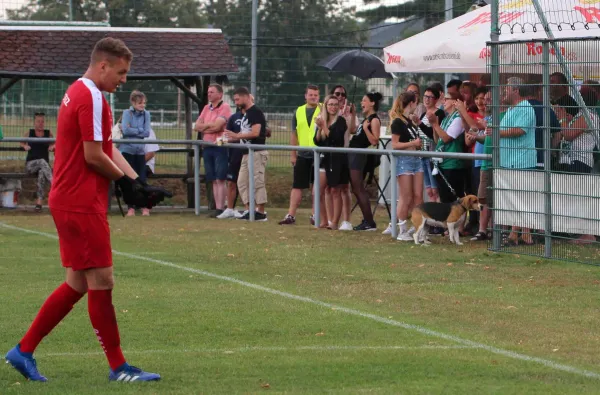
84,239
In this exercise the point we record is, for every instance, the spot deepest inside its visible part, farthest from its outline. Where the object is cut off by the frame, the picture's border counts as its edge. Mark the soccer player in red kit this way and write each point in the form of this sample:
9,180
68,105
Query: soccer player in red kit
86,161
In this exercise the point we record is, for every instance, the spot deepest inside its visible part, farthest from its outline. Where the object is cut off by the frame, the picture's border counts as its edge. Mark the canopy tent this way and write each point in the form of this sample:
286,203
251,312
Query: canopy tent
460,45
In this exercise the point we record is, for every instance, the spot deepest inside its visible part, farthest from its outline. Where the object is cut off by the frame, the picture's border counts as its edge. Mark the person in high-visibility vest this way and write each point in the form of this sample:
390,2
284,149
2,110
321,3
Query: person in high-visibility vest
303,132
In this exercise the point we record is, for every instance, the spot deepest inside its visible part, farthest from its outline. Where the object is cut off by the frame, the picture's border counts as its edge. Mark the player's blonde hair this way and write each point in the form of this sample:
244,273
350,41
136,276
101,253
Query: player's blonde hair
110,48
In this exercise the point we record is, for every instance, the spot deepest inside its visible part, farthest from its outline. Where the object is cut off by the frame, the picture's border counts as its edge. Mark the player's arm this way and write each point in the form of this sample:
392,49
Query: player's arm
89,118
112,169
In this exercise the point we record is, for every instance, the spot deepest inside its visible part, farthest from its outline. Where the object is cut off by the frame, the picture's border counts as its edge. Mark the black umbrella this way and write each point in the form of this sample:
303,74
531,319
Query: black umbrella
358,63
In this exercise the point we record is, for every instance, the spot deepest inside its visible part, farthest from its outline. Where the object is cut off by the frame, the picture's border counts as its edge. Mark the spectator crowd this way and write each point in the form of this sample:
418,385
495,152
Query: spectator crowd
455,118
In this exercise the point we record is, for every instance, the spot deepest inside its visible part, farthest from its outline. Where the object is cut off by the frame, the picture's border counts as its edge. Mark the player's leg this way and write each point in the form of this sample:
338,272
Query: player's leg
100,281
57,305
54,309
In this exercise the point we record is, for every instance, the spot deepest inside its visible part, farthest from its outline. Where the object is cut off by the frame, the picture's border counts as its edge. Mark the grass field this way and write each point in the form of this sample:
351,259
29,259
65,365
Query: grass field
233,307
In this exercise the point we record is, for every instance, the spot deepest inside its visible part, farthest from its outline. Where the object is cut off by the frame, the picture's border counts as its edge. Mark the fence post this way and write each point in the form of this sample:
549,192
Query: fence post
317,189
394,194
196,179
253,48
495,71
162,117
547,152
251,194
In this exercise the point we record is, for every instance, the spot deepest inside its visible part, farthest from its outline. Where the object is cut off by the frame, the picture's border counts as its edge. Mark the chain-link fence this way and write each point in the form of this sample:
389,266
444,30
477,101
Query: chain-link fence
546,143
291,38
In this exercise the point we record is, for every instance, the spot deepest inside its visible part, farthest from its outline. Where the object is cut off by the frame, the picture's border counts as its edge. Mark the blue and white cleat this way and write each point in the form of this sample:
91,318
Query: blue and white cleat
24,363
129,374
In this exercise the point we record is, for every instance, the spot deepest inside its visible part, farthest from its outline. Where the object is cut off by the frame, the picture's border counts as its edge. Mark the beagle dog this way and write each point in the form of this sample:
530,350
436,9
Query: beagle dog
446,215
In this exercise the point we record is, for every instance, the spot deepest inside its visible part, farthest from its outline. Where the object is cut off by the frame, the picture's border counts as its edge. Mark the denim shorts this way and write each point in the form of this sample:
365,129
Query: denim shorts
216,163
408,165
428,178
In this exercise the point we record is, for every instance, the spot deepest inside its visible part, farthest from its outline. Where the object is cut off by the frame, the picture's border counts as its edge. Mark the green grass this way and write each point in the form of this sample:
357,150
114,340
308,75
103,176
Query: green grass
211,335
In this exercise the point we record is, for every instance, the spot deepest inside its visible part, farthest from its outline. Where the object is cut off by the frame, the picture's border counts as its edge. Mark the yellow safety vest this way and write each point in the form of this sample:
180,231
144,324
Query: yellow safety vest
306,132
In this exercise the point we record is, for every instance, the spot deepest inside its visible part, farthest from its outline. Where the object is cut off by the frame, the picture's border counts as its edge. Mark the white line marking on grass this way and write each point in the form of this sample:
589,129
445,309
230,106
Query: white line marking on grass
416,328
264,349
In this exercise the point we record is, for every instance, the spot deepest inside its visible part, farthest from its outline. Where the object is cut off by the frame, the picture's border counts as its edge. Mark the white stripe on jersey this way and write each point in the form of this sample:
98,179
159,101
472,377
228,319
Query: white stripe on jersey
97,103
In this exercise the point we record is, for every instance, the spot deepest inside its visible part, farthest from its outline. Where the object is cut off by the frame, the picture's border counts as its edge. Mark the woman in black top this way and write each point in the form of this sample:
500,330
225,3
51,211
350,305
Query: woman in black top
430,98
331,133
366,134
38,158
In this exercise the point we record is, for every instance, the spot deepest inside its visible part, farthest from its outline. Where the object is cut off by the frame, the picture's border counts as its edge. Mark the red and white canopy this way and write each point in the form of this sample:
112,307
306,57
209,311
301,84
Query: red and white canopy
460,46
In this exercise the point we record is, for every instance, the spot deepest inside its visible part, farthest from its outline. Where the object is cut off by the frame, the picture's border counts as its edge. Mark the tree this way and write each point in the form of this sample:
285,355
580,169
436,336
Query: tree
433,11
293,36
130,13
120,13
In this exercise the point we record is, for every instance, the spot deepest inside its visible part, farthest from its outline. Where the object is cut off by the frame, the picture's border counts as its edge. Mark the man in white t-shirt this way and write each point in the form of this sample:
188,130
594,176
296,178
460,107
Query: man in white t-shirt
150,151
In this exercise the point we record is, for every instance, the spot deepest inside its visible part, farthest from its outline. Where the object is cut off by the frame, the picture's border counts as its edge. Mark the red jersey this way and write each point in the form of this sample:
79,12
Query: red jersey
84,115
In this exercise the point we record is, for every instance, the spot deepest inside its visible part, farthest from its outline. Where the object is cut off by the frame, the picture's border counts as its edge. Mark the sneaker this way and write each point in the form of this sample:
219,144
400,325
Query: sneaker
24,363
216,213
345,226
257,216
364,225
228,213
288,220
238,214
131,212
261,217
404,237
129,374
312,220
388,230
411,230
145,212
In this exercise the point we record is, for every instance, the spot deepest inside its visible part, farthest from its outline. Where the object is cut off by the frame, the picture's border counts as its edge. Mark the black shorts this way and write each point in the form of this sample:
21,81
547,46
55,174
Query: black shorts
235,162
357,161
303,173
337,171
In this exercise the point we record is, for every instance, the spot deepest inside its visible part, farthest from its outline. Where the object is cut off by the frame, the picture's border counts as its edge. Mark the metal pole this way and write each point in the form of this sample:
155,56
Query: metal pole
448,4
547,152
495,70
251,194
394,195
197,179
253,50
317,190
71,10
563,63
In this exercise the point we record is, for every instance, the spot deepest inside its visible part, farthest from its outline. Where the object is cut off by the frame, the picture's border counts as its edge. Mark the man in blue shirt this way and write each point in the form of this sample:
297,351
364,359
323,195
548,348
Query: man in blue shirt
517,128
517,141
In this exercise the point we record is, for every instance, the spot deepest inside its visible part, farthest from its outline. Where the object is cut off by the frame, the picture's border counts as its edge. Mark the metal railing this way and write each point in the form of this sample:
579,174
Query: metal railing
196,144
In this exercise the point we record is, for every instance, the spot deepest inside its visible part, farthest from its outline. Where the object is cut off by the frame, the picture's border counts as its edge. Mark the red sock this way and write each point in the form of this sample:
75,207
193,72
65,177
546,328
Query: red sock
54,309
104,322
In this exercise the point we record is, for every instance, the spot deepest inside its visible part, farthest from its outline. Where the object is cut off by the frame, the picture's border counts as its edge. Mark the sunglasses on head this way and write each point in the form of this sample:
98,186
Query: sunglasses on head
342,94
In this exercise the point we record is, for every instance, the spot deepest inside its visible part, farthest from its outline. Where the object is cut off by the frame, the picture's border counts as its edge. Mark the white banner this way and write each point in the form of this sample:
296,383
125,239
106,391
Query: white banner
460,45
519,200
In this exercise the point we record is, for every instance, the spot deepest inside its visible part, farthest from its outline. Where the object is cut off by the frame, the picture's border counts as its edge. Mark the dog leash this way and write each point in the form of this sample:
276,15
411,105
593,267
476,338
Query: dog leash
435,164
